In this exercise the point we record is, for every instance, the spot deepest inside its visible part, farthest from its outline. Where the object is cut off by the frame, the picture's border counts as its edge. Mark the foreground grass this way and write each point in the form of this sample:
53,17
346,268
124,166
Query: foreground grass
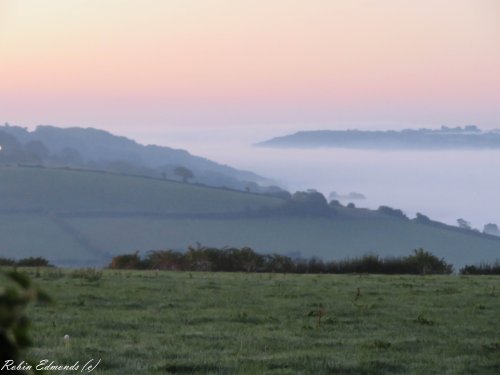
227,323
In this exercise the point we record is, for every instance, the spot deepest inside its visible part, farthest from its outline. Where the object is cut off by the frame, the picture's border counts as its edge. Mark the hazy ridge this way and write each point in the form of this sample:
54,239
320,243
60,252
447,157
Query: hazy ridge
468,137
100,150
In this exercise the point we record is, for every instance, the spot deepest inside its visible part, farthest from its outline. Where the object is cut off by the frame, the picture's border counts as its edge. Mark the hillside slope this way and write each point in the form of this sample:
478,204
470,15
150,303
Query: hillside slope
98,149
80,191
77,218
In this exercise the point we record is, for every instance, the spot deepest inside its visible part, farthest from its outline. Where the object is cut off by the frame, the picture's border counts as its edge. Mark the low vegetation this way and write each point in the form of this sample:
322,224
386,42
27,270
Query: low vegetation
482,269
247,260
162,322
15,296
26,262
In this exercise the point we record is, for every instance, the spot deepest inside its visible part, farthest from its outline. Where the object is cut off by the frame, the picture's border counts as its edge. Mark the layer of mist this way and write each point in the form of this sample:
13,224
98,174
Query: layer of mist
445,185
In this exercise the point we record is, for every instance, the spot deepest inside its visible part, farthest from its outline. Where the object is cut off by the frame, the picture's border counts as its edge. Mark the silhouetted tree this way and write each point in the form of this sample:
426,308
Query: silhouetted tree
71,156
463,224
423,219
37,148
491,229
335,203
386,210
426,263
183,173
128,261
308,202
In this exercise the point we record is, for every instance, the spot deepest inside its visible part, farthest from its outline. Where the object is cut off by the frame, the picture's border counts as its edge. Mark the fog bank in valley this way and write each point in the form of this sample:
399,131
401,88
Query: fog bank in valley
445,185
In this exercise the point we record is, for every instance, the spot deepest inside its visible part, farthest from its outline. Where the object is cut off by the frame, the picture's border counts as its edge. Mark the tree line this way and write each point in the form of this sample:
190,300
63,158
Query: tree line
245,259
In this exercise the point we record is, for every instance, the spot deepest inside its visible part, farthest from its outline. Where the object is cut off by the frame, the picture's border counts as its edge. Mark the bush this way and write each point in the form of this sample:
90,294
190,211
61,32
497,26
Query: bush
128,261
482,269
422,219
26,262
427,263
386,210
33,262
14,324
7,262
334,203
308,203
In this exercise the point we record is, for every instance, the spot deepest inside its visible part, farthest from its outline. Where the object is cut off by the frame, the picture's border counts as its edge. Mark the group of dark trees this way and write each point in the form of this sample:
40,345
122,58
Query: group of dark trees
308,202
26,262
247,260
490,228
313,203
386,210
482,269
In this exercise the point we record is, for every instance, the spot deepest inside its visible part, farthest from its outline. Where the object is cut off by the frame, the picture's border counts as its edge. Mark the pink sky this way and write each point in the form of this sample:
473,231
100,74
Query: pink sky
153,64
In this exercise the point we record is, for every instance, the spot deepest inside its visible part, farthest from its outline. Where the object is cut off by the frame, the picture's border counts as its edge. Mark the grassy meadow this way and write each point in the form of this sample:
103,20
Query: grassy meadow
83,192
327,238
78,218
237,323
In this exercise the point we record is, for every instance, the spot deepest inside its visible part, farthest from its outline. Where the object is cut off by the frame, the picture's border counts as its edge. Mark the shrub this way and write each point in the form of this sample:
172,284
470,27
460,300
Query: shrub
421,218
308,203
33,262
7,262
482,269
386,210
127,261
425,263
164,260
26,262
14,324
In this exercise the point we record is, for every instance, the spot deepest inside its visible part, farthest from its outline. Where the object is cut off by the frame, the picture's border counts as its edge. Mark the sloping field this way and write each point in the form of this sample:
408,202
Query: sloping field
72,191
83,218
26,235
323,237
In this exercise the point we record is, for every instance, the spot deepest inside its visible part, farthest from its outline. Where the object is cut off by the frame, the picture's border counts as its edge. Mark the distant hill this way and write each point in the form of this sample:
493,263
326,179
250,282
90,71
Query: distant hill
83,218
469,137
99,150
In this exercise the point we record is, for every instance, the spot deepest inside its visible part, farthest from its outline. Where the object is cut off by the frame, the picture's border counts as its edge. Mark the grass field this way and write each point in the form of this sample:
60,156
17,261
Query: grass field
70,191
234,323
25,235
314,236
83,218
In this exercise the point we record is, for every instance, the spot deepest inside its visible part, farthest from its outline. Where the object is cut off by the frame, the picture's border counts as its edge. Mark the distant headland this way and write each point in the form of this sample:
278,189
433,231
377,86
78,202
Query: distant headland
445,138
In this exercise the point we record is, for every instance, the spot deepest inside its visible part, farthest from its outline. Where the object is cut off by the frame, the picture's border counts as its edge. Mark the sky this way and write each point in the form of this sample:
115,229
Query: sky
147,66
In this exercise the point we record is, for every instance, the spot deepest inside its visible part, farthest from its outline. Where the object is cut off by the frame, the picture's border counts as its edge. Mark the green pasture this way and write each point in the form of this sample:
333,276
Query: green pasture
236,323
73,191
79,218
314,236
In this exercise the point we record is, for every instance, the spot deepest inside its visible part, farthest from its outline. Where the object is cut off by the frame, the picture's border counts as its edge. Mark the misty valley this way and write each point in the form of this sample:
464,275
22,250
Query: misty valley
238,187
91,195
132,241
